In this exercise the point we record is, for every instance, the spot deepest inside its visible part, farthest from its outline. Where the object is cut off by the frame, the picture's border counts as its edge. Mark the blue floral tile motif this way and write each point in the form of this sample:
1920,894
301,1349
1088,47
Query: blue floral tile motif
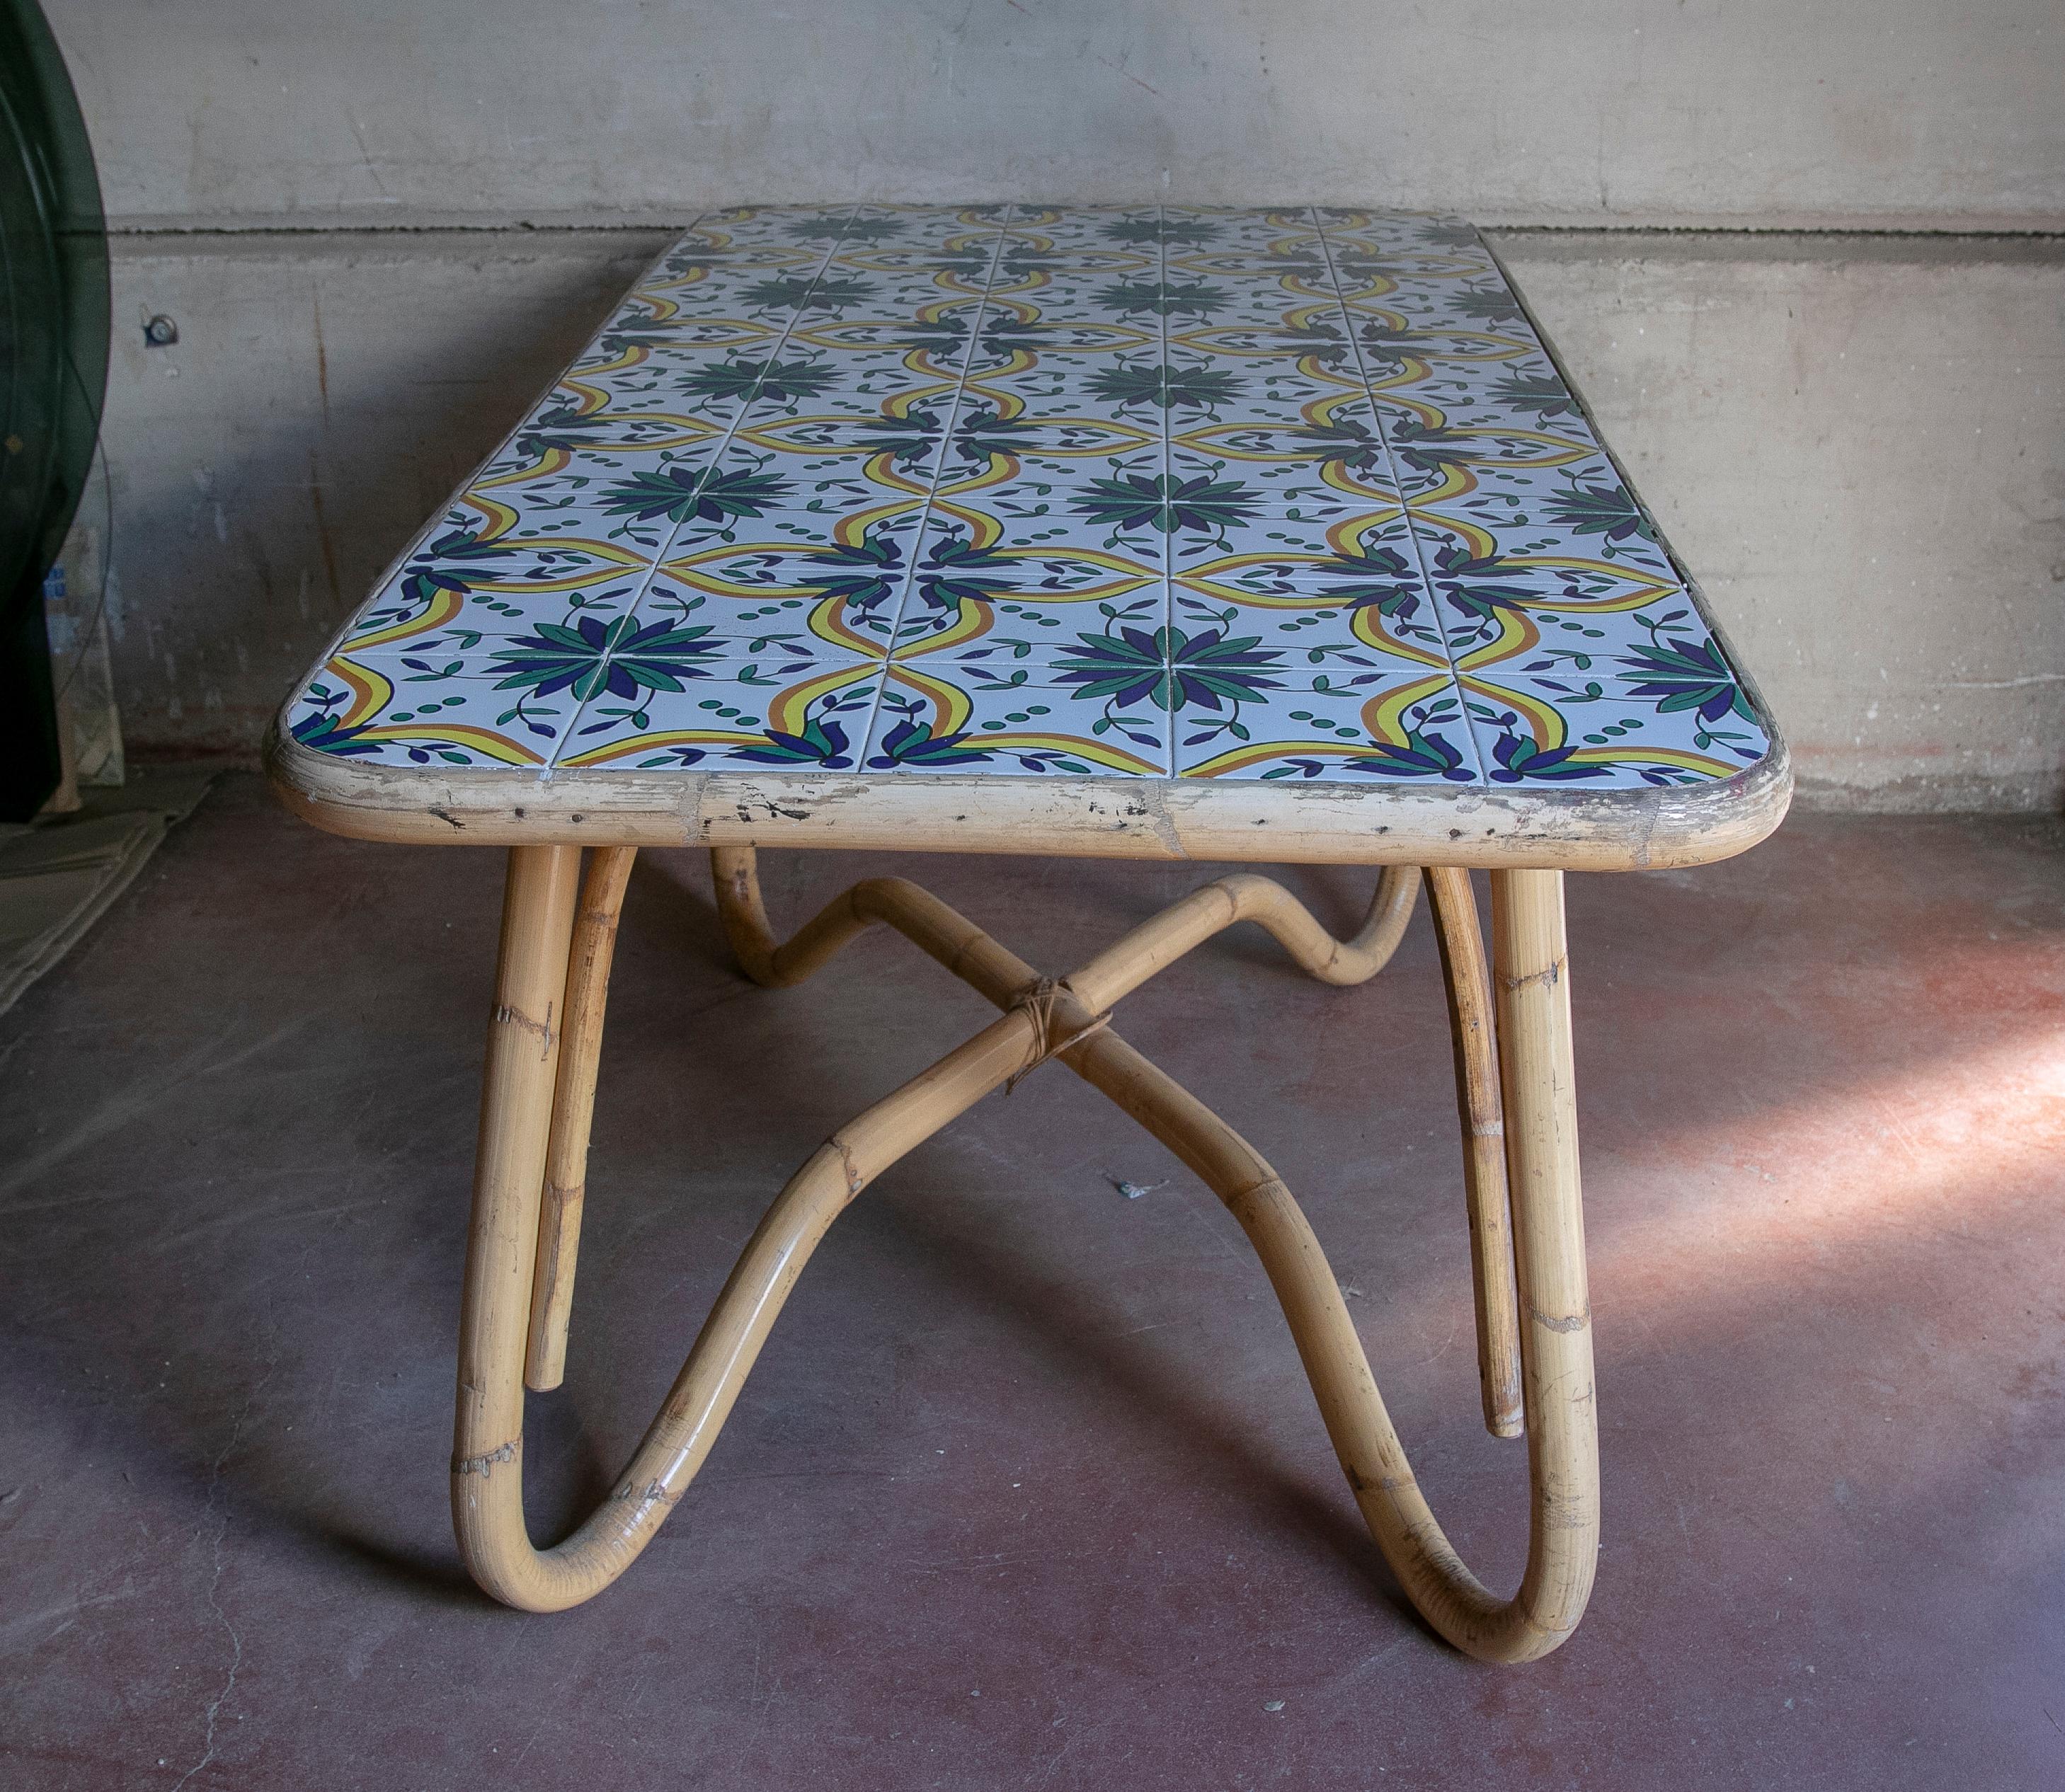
1030,721
742,715
1361,723
1034,491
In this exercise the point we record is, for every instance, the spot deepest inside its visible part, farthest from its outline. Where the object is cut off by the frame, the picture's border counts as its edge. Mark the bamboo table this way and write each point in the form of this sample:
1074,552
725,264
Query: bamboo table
1157,533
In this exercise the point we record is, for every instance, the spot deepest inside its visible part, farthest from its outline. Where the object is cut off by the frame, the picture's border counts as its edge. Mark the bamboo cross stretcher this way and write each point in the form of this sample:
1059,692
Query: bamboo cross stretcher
1159,532
558,934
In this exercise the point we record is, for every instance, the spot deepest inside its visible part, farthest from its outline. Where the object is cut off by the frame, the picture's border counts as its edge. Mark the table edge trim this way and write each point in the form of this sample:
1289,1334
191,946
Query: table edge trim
1248,820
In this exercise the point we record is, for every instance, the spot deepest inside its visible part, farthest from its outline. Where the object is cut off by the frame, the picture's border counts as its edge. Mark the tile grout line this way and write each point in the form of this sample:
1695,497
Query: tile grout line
797,313
931,490
1398,485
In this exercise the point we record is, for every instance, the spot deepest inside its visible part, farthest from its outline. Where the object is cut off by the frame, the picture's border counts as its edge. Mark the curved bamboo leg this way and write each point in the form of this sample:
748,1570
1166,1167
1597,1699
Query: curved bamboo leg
1533,982
1468,978
1562,1466
1552,1356
509,1170
1390,910
487,1467
1530,969
735,874
1534,1032
1243,896
573,1113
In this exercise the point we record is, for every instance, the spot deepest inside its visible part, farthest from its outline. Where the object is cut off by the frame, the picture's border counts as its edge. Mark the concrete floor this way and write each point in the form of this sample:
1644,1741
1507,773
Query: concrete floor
1027,1489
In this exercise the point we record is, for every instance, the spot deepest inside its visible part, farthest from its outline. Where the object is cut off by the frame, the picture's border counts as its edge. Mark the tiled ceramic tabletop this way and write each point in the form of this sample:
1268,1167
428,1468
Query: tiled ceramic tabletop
897,492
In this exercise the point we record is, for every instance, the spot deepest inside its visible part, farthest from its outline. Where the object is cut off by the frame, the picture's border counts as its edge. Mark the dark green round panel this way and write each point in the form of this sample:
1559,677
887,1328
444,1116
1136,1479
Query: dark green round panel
54,309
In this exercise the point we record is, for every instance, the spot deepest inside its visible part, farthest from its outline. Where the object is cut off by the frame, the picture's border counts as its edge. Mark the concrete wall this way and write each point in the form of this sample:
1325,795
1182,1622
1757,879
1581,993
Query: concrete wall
1857,437
1763,112
1858,445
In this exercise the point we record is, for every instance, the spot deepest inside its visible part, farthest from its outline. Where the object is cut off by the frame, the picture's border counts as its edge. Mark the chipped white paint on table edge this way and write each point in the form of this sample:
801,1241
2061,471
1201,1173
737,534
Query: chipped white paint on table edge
1247,820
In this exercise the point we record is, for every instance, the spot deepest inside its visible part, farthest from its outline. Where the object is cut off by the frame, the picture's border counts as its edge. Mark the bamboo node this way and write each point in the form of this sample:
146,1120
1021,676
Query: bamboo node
851,1169
507,1016
1038,1004
481,1465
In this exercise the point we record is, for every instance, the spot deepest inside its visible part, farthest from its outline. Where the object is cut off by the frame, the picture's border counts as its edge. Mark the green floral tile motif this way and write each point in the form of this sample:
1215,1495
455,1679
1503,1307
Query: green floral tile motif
1034,491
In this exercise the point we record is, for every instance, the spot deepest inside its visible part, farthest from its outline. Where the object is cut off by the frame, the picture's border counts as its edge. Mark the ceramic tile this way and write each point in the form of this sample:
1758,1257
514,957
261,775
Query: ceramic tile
1676,671
838,574
434,709
1491,389
899,264
1295,467
1272,390
1281,464
1249,488
906,447
482,625
1317,632
1108,510
1123,231
1116,384
1580,538
1495,605
1041,576
1017,337
662,662
940,317
566,449
792,377
1580,498
946,231
461,575
993,720
1257,552
1027,274
1352,587
1687,726
866,344
1396,353
819,720
1122,300
1399,723
1191,234
1038,626
1437,463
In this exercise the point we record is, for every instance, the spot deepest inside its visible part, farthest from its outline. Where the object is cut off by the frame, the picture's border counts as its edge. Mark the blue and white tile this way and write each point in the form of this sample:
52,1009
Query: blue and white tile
818,723
404,709
789,368
1622,739
1404,724
1586,530
1049,575
1284,543
1316,634
778,571
1038,629
1003,724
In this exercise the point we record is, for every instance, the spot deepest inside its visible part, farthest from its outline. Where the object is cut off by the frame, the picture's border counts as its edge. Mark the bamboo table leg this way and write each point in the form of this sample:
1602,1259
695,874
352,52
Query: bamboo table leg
501,1246
573,1111
1482,1108
1531,1300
